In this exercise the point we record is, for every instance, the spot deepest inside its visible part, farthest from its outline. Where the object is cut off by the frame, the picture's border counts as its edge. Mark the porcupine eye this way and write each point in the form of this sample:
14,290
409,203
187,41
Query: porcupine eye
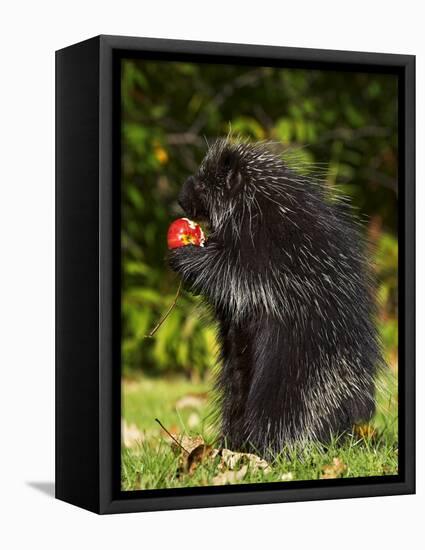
199,185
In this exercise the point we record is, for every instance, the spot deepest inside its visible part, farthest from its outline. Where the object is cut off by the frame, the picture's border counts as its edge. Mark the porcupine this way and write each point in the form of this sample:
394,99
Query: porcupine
285,271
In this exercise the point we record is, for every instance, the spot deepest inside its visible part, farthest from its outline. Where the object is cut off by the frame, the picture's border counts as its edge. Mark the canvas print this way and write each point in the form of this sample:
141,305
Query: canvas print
259,268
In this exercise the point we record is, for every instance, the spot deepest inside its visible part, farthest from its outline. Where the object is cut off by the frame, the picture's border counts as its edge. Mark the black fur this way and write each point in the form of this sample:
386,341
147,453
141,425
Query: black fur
285,272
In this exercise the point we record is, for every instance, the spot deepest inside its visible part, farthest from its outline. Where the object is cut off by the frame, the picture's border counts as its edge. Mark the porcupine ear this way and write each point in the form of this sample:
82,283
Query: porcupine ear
231,165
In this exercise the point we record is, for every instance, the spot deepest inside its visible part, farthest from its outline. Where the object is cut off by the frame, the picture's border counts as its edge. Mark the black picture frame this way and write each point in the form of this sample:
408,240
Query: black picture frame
88,275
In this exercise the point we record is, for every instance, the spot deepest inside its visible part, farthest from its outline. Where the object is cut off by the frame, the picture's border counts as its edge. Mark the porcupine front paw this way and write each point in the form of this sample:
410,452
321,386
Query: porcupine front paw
178,259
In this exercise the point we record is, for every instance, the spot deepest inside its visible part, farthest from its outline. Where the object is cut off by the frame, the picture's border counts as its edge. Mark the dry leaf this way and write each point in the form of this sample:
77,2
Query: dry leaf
130,434
193,420
229,476
334,470
365,431
232,460
388,470
187,442
196,457
233,466
191,400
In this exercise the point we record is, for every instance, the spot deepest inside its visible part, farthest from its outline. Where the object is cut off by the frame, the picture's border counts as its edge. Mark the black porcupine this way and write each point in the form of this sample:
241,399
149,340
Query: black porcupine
285,271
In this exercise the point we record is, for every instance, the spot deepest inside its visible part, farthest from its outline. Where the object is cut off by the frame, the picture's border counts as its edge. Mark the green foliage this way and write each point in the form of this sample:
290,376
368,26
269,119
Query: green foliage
182,343
343,123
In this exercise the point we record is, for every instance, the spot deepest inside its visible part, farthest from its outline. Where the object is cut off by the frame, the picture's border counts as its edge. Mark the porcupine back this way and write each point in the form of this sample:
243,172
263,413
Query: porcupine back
299,346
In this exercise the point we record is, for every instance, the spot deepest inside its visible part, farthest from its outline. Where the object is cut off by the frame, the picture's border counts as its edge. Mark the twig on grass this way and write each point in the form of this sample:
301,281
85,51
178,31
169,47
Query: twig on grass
172,437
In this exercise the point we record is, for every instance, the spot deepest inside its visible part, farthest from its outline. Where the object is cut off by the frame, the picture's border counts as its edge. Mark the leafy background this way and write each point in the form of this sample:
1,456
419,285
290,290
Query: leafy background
345,123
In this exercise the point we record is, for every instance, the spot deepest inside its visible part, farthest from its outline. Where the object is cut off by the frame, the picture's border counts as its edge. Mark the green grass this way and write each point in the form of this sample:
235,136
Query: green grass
151,463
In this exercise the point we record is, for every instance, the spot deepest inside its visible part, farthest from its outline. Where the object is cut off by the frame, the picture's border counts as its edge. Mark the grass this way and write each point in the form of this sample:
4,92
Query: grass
149,461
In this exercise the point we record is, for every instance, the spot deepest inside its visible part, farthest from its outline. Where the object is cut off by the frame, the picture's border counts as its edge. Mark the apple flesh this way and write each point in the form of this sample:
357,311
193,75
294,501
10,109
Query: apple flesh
183,232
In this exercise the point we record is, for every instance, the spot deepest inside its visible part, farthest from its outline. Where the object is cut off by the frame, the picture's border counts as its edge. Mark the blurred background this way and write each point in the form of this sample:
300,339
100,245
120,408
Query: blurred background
345,123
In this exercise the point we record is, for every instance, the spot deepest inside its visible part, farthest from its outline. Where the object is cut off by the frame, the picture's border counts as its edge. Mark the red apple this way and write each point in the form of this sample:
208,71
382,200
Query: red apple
183,232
